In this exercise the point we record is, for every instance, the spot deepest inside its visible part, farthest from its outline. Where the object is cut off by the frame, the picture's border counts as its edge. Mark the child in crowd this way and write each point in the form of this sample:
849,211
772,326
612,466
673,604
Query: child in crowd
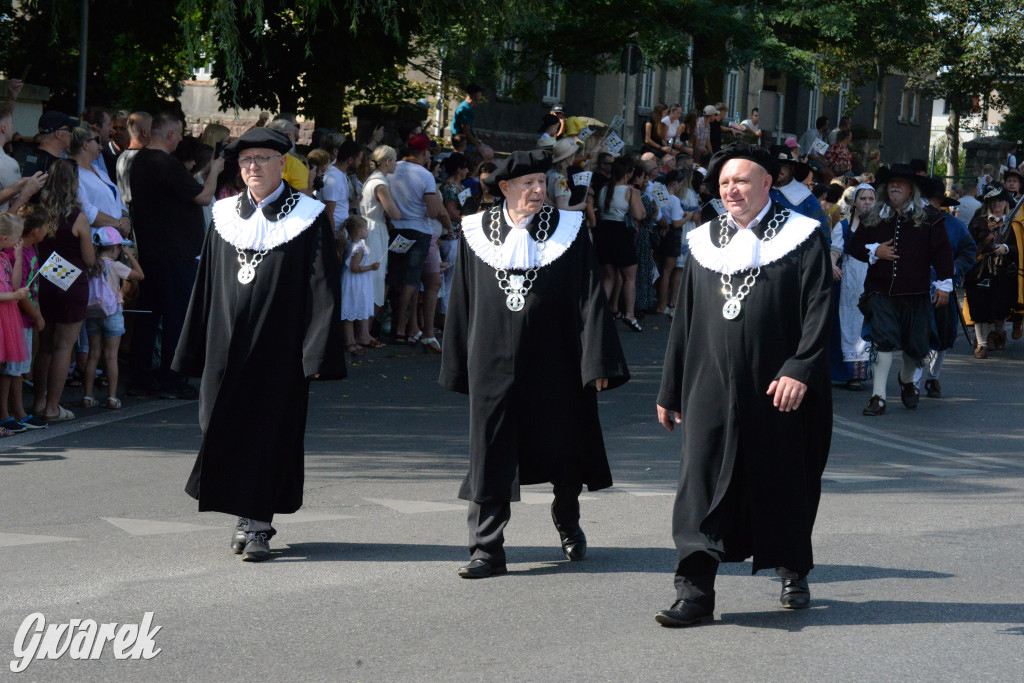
105,317
13,351
35,220
357,289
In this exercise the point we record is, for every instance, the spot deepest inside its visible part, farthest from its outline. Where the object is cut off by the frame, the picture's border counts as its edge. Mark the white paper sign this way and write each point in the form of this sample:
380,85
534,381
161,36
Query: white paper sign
582,178
464,196
660,194
819,146
584,134
614,144
401,245
718,206
617,123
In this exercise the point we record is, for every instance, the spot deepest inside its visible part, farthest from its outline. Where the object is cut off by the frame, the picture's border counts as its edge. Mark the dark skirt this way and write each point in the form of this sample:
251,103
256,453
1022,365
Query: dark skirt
613,242
991,298
671,244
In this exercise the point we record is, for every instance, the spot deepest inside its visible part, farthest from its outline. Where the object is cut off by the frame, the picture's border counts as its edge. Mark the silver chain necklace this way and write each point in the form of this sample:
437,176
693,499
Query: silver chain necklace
247,271
733,302
516,287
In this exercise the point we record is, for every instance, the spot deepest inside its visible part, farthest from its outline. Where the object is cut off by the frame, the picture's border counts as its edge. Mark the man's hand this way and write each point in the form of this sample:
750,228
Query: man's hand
216,166
837,273
788,392
669,418
886,251
601,383
940,298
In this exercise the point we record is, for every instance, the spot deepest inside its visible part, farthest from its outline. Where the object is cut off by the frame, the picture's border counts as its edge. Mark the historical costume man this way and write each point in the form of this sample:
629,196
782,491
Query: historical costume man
264,320
746,375
791,193
1013,180
528,336
903,240
947,318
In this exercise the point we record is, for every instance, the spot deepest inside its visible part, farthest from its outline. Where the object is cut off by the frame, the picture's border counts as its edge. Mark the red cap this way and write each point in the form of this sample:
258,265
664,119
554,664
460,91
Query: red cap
418,143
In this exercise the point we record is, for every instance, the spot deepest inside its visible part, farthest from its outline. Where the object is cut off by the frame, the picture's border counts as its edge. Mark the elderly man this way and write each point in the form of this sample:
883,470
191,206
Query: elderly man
746,375
528,336
263,321
791,193
904,241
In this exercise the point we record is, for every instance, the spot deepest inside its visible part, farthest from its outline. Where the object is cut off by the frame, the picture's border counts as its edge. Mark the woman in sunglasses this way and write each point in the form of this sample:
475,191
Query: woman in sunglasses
100,198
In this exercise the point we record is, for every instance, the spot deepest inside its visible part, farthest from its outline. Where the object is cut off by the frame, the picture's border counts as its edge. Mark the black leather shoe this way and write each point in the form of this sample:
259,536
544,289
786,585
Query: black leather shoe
875,407
795,594
238,536
574,545
909,394
257,545
933,388
684,613
481,569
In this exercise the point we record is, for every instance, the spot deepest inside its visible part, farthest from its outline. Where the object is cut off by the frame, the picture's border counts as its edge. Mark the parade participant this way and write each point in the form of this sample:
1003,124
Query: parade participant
748,382
263,321
850,352
1012,183
902,241
528,336
947,317
1012,180
992,284
789,189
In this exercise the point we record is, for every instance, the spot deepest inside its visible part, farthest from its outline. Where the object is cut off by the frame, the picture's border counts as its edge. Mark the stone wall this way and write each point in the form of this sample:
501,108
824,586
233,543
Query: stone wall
981,151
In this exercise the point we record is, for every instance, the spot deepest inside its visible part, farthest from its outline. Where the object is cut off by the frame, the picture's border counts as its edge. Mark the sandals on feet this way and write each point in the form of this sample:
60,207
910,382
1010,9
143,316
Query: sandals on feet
89,402
374,344
62,416
355,349
113,403
431,343
633,324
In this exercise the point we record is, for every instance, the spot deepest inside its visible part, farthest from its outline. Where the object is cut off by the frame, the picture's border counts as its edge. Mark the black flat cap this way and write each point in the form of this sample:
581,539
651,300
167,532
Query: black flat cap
516,165
741,150
262,138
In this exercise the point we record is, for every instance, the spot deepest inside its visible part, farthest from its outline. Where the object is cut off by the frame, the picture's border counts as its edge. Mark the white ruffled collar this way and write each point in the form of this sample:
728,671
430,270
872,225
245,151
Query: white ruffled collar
745,251
257,232
794,192
519,250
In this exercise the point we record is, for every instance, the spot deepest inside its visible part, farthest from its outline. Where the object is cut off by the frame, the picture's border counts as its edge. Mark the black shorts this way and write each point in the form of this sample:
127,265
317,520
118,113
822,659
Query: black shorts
406,269
902,322
671,245
615,244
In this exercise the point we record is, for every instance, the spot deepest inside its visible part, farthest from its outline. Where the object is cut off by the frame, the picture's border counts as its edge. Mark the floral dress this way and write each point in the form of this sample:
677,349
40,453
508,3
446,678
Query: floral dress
646,296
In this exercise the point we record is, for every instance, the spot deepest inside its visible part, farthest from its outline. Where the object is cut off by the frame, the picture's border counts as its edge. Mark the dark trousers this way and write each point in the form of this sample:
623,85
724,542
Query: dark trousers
166,292
487,522
695,578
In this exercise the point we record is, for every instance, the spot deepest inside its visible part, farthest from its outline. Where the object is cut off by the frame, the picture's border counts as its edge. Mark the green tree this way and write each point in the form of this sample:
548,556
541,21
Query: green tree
971,49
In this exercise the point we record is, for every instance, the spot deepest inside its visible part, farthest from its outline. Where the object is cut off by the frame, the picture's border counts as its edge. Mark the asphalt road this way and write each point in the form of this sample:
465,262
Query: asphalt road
918,544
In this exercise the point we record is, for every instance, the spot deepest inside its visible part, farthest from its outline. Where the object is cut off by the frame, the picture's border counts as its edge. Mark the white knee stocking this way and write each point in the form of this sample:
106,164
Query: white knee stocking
935,364
882,365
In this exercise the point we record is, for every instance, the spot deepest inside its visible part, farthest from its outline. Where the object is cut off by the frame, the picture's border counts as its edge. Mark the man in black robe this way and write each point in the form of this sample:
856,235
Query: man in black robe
528,336
746,375
263,321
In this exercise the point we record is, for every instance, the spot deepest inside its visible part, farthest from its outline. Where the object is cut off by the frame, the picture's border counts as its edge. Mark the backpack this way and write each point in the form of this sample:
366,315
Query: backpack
102,300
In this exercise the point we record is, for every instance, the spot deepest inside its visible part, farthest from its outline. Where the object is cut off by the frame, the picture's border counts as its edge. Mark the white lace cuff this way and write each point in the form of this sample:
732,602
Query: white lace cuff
944,285
872,259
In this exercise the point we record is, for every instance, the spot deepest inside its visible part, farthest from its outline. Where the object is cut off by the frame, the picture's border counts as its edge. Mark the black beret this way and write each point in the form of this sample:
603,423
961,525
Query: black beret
741,150
516,165
262,138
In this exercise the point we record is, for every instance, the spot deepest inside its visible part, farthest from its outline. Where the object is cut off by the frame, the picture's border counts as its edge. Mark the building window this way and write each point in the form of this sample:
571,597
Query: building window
687,102
732,94
910,103
814,101
646,88
507,80
204,73
553,87
844,98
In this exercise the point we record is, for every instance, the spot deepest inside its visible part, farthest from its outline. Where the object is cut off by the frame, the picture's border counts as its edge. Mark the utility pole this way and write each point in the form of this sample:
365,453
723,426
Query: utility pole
83,50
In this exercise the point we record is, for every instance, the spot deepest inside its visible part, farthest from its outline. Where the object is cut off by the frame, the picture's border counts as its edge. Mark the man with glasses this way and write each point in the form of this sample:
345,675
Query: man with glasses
167,210
53,141
264,320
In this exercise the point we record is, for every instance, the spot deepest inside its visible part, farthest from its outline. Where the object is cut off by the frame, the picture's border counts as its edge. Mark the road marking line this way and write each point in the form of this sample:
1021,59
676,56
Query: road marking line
895,437
414,506
152,527
31,539
935,471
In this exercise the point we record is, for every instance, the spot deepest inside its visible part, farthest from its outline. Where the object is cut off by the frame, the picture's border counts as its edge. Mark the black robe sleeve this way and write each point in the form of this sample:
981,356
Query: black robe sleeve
941,249
816,298
670,397
322,346
455,360
190,356
602,355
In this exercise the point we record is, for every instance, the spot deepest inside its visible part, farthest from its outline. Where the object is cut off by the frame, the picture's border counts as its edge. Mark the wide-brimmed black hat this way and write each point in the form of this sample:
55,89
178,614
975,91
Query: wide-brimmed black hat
741,150
262,138
547,121
784,155
906,172
516,165
994,193
937,188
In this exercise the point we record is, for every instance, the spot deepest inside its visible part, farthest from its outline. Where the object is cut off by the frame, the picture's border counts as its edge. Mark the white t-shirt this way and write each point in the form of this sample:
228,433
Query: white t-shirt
336,190
409,183
674,209
671,127
968,207
9,175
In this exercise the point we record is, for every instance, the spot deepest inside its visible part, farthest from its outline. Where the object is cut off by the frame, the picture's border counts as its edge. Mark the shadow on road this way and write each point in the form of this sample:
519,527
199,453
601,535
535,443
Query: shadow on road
882,613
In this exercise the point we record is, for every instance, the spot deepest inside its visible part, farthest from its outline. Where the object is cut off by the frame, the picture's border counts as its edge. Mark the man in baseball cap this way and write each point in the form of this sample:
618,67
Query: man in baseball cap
53,141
